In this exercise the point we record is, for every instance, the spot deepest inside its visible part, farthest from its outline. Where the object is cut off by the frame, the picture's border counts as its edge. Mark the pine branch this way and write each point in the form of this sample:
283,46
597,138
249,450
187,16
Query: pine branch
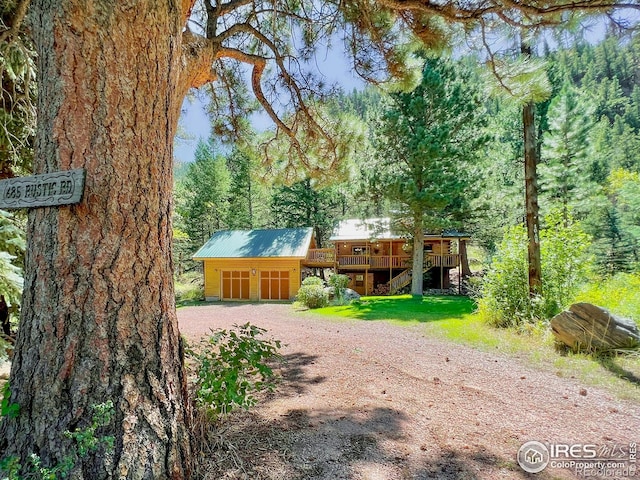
16,21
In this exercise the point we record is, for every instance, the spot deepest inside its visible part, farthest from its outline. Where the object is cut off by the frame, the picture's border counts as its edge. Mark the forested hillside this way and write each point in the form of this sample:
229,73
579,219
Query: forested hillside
588,138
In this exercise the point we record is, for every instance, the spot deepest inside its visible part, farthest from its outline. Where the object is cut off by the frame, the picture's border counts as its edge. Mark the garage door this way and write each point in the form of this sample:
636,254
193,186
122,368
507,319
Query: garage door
274,285
235,285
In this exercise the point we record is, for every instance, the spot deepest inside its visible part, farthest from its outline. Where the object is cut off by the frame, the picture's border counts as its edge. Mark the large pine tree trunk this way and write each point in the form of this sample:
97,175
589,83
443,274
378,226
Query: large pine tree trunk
531,191
417,283
98,318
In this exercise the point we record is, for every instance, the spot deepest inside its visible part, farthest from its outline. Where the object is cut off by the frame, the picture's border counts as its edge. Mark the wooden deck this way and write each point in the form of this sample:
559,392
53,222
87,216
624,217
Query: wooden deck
326,257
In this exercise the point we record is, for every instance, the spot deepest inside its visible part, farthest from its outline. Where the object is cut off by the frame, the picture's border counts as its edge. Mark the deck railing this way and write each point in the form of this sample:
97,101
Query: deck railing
395,261
321,256
327,257
353,260
447,260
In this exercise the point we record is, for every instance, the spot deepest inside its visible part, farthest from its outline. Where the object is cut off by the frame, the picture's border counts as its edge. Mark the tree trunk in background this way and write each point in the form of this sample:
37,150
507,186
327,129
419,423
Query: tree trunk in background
417,287
531,199
98,316
464,259
531,190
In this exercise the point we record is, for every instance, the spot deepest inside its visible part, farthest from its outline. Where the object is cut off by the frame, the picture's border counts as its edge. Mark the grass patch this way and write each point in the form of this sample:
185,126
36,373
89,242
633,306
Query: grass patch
452,318
403,308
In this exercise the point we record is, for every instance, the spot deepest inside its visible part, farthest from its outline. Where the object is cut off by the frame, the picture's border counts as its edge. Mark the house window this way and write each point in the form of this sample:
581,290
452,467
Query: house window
359,250
359,280
428,247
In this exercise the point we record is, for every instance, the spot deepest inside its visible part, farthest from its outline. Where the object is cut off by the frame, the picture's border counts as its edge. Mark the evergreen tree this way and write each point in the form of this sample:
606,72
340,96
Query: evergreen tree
202,203
12,250
303,205
564,172
426,143
17,92
501,200
624,146
616,249
248,197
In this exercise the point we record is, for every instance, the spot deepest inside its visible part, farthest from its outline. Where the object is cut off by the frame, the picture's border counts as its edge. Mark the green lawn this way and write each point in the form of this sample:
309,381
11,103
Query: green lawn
452,318
404,308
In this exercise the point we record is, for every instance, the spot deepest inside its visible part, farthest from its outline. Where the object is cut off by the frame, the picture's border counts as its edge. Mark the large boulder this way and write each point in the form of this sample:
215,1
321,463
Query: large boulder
348,294
589,328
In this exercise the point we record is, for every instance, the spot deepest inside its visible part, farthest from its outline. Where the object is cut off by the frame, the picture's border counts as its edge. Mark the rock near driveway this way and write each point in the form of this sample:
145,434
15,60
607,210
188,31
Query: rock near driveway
589,328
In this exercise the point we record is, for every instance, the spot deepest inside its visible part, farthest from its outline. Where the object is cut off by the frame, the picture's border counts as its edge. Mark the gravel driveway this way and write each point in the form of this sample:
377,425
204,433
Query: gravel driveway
371,400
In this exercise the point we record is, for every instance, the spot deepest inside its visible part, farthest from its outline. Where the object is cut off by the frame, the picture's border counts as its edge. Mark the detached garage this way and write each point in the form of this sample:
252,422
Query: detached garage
254,265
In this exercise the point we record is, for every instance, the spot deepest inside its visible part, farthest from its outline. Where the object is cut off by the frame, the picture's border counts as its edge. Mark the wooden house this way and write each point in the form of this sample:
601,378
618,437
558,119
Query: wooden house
268,264
379,261
254,265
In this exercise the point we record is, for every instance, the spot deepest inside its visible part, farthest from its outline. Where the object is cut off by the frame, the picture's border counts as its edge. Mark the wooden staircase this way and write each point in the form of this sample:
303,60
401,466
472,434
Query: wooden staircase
404,278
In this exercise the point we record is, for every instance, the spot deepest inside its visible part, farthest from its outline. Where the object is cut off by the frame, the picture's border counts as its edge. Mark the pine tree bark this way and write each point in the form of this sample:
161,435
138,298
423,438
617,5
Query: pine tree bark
417,283
531,191
98,318
464,260
531,199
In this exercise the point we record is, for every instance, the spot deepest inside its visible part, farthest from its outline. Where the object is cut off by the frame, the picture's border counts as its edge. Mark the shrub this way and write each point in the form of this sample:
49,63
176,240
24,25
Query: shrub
188,293
339,283
504,292
566,265
230,366
189,288
312,293
312,281
567,262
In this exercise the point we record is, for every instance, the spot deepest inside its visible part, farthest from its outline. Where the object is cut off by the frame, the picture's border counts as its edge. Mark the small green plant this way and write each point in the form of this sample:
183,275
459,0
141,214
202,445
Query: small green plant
339,283
86,440
85,443
8,409
312,293
230,365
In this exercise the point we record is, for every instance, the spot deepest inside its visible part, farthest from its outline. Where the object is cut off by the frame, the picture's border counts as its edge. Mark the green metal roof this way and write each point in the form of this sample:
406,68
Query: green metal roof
283,242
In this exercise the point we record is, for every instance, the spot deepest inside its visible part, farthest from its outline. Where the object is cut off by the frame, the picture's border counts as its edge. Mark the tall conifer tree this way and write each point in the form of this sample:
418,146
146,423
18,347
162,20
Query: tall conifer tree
426,144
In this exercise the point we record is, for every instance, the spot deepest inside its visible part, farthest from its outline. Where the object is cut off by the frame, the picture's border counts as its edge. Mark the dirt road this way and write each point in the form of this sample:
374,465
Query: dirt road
370,400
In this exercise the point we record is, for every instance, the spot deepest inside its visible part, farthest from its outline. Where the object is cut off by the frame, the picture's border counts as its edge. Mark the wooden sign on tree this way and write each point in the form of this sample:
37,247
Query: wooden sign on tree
45,190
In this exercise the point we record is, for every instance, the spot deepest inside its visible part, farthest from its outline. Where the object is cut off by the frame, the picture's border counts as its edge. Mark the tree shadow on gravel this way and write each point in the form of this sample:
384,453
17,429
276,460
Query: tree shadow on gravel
294,380
469,464
358,443
341,445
